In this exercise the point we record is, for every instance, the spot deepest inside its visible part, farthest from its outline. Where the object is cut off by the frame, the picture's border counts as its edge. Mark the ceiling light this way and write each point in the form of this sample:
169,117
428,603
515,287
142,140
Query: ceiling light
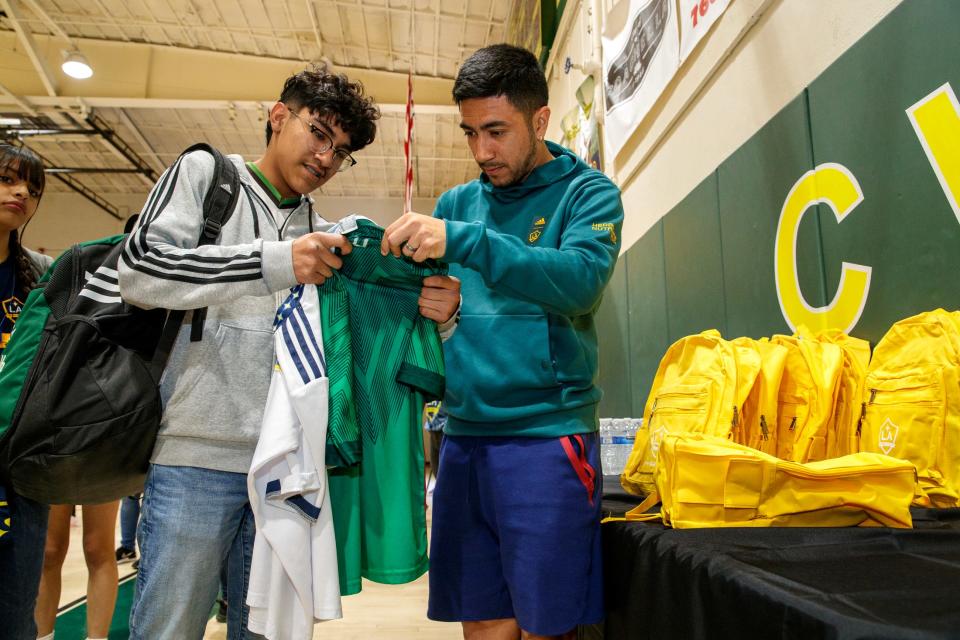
9,122
76,66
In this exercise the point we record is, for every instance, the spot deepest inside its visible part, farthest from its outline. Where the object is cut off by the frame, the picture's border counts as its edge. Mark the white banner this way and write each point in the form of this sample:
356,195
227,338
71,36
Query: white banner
696,18
641,53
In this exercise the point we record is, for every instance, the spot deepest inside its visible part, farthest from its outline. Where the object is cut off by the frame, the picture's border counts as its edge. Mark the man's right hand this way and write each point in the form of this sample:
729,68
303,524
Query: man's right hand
313,258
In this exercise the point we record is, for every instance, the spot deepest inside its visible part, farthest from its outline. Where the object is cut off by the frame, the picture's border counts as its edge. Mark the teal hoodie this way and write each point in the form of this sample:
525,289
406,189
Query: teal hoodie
534,259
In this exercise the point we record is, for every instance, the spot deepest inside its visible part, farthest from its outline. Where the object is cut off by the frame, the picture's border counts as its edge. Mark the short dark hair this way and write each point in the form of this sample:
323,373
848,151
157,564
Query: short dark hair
503,70
332,95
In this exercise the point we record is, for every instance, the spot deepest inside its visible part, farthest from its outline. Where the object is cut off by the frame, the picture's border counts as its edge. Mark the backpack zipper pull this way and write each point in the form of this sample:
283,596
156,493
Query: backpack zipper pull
736,419
765,433
863,410
793,423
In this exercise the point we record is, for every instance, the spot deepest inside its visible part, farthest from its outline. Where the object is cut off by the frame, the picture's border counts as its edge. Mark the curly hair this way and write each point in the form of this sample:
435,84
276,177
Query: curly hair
333,95
27,166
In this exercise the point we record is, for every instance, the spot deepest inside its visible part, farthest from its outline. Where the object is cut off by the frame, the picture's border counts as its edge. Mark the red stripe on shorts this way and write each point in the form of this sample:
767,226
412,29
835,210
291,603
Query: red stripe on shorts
578,460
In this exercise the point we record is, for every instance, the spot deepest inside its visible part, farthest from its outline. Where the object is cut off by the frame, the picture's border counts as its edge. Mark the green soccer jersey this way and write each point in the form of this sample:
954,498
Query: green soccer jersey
385,361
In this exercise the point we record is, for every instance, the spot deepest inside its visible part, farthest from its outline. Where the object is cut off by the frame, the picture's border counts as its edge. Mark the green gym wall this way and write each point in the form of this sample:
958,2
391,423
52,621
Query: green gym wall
842,211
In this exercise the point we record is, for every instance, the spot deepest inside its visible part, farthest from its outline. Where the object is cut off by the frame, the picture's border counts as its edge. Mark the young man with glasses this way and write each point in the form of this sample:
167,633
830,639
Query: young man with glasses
195,510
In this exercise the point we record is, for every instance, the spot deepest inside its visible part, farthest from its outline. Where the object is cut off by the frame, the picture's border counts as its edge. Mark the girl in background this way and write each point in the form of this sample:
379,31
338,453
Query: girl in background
28,604
99,529
23,522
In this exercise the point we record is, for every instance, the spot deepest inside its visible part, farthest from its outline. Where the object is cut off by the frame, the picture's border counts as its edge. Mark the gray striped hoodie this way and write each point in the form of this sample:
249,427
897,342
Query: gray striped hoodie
214,391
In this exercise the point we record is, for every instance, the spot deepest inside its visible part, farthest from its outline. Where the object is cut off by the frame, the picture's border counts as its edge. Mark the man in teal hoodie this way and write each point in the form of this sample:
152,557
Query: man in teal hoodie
516,509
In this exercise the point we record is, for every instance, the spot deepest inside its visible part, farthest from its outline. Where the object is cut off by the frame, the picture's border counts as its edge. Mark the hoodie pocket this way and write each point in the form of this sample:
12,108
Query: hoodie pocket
500,367
217,388
574,361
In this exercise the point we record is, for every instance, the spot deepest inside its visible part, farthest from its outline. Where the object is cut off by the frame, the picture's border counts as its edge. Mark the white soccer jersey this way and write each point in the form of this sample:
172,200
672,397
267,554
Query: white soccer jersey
293,575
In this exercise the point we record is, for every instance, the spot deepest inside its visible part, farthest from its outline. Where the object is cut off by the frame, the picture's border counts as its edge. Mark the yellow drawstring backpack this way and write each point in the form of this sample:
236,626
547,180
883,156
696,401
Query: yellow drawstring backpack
911,402
806,397
711,482
758,421
694,391
842,437
749,364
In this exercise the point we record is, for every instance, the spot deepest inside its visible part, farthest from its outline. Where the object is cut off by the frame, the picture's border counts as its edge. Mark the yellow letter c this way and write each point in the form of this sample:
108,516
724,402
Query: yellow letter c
834,185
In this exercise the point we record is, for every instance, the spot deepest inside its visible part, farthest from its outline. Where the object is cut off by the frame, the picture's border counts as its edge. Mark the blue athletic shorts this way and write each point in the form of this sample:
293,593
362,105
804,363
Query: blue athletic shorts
516,532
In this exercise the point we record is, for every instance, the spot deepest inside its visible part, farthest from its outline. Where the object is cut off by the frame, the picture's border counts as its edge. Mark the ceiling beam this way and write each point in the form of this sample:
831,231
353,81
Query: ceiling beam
87,193
117,143
29,130
89,170
37,58
24,105
45,17
139,137
163,103
316,27
131,71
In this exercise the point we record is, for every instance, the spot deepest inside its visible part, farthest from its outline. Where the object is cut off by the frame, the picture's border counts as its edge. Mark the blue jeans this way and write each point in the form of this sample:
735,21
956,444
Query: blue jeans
192,521
129,517
21,562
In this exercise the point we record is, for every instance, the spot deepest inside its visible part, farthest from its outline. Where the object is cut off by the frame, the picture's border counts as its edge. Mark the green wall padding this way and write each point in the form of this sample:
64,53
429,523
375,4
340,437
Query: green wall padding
694,263
752,184
646,285
612,328
709,262
905,228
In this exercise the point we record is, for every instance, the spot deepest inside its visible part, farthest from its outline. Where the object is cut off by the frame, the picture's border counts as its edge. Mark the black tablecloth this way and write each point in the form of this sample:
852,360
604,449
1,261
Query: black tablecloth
616,501
783,583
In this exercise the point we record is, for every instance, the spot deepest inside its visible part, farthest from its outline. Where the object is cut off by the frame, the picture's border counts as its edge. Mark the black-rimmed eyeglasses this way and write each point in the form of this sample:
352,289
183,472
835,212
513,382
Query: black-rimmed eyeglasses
321,142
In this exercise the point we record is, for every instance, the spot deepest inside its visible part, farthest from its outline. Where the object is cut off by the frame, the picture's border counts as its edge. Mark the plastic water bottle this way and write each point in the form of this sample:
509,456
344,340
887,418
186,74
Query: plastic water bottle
617,433
629,436
606,446
616,436
623,433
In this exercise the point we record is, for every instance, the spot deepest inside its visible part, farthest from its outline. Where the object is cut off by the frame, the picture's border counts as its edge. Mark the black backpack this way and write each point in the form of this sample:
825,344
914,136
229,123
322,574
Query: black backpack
81,406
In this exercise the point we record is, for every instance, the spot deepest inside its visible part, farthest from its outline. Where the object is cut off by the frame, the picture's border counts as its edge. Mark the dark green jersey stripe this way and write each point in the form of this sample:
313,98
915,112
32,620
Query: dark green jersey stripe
343,436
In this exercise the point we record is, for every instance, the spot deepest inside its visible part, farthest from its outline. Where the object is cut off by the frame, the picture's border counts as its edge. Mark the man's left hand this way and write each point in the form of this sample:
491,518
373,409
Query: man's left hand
415,236
439,298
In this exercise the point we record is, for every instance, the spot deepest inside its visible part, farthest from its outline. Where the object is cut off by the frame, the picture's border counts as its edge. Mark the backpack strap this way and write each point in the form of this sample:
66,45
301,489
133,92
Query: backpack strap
639,513
171,327
218,205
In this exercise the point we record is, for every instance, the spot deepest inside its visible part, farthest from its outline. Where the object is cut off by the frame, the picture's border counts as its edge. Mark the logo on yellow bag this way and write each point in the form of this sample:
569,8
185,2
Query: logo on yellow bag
537,229
888,436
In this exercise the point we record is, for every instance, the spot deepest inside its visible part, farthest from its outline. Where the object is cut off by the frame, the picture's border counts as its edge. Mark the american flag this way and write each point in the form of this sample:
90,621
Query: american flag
407,154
